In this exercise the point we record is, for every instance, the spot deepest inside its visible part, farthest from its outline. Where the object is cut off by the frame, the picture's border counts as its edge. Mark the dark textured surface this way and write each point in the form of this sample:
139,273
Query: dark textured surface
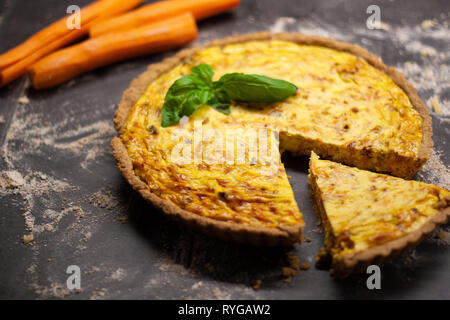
130,250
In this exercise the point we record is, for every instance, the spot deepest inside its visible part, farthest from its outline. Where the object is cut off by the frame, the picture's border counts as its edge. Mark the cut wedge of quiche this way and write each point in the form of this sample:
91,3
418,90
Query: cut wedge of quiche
369,217
349,107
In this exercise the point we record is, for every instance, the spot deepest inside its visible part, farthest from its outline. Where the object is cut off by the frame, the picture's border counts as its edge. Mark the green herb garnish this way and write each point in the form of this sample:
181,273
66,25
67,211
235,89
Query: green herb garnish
192,91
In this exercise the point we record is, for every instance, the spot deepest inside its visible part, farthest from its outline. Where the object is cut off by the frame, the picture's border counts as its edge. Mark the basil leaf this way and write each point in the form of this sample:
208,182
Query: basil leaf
204,72
185,96
186,84
194,100
190,92
220,101
256,88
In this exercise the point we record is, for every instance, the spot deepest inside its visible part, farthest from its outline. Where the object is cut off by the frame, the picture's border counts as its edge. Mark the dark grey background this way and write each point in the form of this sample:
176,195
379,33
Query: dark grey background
149,256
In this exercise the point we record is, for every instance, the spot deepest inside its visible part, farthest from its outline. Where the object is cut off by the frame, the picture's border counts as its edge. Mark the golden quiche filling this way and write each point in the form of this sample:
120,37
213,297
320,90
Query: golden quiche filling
361,210
344,109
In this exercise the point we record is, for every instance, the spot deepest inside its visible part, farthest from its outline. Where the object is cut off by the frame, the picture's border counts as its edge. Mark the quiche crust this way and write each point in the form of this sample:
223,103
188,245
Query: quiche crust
282,235
342,263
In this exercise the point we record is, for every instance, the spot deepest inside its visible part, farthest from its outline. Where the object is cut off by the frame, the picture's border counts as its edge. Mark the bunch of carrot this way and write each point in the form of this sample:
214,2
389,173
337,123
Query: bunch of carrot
116,33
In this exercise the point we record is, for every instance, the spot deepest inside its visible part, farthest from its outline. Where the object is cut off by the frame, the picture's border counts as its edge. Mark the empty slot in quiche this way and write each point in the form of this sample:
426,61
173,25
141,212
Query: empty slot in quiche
369,218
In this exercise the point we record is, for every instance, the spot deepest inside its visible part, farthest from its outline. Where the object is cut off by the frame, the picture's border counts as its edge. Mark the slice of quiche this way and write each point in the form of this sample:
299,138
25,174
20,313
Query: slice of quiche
368,217
349,107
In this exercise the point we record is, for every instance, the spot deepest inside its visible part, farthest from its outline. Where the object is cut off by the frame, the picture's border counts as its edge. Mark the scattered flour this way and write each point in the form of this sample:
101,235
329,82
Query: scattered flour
281,24
23,100
10,180
38,137
41,198
435,171
55,290
34,187
118,274
104,199
100,294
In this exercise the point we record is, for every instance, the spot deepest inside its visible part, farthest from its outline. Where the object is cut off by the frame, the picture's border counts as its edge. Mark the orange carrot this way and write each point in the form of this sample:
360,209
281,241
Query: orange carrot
67,63
14,71
162,10
59,29
17,69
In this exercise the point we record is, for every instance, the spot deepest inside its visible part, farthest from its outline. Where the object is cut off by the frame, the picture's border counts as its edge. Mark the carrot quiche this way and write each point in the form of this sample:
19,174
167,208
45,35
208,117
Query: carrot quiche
349,107
370,217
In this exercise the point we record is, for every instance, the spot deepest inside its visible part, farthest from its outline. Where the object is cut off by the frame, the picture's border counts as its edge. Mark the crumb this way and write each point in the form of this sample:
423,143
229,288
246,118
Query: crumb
428,52
305,266
87,236
308,239
28,238
317,230
123,219
104,199
434,101
197,285
257,284
442,235
428,24
288,271
384,26
49,260
411,258
287,280
98,294
292,260
118,275
71,83
11,180
23,100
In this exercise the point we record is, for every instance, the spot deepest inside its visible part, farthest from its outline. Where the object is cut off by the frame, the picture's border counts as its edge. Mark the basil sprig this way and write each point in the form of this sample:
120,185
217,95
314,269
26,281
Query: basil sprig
192,91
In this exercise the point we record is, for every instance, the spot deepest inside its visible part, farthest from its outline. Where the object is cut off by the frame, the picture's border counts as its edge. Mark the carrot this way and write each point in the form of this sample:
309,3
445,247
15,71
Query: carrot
67,63
59,29
17,69
14,71
162,10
